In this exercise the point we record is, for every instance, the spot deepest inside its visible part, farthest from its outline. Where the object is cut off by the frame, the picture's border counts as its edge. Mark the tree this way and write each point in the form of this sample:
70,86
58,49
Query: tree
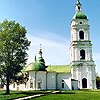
98,81
13,51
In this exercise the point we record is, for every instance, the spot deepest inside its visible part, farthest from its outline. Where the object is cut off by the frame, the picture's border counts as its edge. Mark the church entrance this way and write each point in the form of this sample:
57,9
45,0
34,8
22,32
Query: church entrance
84,83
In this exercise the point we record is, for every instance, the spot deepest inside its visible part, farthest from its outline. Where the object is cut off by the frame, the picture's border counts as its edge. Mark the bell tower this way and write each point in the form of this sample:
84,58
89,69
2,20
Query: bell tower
83,67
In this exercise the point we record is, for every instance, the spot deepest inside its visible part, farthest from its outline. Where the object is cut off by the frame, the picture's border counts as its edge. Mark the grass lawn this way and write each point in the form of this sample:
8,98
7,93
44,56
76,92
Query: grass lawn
17,94
76,95
63,95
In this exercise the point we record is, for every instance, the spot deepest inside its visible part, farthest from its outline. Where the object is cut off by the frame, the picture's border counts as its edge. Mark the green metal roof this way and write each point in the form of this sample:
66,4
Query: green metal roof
35,67
51,68
59,68
79,15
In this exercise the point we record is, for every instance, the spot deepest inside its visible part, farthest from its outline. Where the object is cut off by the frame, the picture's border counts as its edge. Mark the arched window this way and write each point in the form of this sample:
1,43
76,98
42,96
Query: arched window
31,83
62,83
81,35
82,54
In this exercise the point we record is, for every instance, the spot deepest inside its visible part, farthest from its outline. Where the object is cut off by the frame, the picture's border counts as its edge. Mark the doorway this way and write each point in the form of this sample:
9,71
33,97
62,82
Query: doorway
84,83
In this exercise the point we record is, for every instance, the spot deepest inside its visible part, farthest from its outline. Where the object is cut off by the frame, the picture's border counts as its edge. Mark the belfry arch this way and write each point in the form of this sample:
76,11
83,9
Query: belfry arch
82,54
81,34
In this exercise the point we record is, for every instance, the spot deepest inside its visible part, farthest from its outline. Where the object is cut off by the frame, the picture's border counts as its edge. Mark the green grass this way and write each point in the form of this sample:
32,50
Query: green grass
62,95
18,94
76,95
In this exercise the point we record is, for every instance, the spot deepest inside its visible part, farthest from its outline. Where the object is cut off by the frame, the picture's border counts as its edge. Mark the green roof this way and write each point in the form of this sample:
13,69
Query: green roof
35,67
51,68
59,68
79,15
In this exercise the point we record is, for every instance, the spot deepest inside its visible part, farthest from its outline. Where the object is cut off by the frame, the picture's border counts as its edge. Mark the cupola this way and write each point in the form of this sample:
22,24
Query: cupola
79,14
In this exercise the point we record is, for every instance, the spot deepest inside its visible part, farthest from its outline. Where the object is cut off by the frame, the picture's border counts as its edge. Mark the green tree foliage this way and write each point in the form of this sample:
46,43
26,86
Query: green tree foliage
98,82
13,51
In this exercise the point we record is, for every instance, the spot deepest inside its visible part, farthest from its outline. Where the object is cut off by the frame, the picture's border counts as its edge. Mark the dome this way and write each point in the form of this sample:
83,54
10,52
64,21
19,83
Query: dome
37,66
79,15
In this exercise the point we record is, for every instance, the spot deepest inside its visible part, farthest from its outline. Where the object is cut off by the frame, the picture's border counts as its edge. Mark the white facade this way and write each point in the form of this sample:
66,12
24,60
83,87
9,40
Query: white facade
49,80
42,80
83,67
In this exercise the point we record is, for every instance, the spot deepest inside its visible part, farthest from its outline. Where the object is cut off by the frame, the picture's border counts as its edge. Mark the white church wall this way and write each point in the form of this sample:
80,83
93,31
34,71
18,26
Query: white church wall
12,86
51,80
41,80
31,82
74,84
21,87
66,78
37,80
84,71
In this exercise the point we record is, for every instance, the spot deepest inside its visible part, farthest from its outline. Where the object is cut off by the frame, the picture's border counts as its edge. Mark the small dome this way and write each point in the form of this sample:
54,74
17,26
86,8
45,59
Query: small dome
79,15
37,66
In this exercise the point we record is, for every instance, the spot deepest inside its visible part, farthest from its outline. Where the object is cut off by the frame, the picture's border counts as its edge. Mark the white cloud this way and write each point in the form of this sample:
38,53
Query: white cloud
55,48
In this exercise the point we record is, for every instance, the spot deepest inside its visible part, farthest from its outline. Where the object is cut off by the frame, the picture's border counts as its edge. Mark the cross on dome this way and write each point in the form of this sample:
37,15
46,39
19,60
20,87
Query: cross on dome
40,51
78,6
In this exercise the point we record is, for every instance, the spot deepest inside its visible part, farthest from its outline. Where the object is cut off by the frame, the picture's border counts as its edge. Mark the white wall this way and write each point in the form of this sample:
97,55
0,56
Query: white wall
47,80
38,77
67,81
51,80
74,84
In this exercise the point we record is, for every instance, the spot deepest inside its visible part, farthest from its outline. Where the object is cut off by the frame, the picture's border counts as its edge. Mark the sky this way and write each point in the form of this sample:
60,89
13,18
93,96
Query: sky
48,23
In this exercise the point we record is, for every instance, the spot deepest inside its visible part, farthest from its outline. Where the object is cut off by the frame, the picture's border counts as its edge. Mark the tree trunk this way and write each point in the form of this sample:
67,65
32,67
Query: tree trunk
7,86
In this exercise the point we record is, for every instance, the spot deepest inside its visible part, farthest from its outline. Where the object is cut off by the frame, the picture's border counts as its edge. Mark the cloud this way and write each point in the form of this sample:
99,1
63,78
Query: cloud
55,48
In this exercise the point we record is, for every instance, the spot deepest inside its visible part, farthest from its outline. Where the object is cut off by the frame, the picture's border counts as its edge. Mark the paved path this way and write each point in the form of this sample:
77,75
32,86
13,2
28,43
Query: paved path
29,97
54,92
37,95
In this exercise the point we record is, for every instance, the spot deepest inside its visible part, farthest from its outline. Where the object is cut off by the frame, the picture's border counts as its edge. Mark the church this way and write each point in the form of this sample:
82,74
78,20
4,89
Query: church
79,74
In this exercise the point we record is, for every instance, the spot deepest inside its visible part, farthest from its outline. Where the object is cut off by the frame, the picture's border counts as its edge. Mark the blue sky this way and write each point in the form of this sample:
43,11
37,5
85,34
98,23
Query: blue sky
48,23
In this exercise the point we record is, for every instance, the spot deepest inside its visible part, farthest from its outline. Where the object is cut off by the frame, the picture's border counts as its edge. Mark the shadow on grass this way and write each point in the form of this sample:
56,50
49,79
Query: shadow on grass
24,92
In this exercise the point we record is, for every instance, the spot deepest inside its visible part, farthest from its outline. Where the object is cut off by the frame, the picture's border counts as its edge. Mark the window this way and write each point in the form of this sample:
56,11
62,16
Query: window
25,85
62,83
80,22
81,35
14,85
31,83
82,54
39,84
